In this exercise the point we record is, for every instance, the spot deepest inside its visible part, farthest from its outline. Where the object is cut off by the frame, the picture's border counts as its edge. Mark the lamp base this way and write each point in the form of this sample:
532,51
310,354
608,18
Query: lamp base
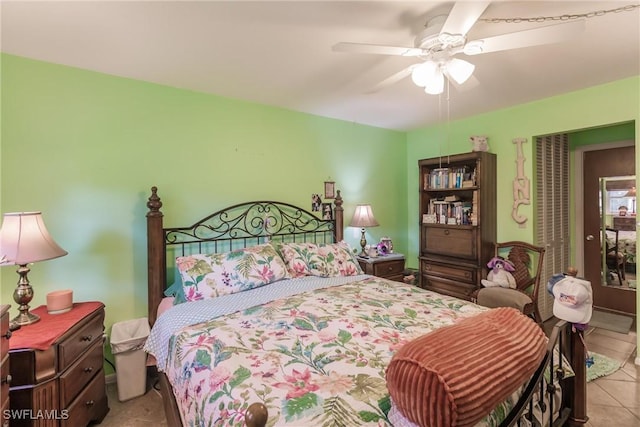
22,295
363,244
25,318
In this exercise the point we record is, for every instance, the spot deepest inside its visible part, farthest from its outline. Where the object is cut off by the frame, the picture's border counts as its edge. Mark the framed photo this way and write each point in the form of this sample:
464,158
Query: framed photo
327,211
329,190
316,202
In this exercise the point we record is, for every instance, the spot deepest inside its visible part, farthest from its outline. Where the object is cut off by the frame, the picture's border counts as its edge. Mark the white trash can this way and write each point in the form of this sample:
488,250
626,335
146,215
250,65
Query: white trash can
127,339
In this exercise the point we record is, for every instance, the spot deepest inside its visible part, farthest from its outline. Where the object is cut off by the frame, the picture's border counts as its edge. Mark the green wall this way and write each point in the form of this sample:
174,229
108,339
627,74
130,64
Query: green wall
85,148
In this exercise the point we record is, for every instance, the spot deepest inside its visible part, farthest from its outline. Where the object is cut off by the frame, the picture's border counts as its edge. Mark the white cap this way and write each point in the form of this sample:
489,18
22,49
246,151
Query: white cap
573,300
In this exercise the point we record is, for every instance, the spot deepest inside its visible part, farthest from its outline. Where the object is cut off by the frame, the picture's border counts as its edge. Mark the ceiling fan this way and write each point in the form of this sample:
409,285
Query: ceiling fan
444,37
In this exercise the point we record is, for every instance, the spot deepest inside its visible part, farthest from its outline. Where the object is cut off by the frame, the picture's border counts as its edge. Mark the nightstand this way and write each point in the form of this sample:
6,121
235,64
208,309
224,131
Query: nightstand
5,377
387,266
57,368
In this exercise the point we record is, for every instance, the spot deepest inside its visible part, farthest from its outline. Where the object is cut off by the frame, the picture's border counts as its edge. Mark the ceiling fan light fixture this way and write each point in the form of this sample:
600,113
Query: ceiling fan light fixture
435,85
423,73
459,70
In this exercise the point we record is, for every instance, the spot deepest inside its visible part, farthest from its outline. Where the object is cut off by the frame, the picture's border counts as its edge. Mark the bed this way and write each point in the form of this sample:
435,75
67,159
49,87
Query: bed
316,349
627,243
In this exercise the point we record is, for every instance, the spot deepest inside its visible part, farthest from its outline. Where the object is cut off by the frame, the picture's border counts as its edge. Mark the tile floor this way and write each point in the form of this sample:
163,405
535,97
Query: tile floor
612,401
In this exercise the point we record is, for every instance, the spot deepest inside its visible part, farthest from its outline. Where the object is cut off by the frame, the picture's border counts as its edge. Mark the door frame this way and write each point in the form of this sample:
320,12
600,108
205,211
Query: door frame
578,200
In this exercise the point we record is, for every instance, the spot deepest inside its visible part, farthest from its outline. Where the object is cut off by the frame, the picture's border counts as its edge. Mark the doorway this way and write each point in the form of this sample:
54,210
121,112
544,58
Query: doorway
609,215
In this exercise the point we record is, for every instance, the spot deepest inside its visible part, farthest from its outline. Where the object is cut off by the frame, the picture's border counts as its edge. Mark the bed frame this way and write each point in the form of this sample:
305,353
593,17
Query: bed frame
248,224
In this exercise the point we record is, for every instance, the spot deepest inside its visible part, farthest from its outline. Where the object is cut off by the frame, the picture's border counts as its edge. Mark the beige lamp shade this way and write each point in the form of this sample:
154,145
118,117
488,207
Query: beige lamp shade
24,239
363,217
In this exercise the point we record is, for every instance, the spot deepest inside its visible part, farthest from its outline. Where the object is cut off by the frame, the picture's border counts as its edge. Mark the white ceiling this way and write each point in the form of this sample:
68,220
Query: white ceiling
280,53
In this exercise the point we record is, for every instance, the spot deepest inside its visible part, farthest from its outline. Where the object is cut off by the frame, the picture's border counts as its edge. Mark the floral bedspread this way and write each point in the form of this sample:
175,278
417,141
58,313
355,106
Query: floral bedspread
314,359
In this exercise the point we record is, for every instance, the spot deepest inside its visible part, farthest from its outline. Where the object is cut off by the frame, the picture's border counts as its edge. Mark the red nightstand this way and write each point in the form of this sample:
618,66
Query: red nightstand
56,368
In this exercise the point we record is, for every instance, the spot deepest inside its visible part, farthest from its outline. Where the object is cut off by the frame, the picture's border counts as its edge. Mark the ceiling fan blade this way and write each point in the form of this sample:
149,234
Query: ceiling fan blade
376,49
392,79
463,16
534,37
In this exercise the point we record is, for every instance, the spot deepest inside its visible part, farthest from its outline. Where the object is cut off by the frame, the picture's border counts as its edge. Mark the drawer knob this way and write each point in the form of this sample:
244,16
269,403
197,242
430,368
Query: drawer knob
446,232
88,369
390,268
89,403
6,380
87,337
8,334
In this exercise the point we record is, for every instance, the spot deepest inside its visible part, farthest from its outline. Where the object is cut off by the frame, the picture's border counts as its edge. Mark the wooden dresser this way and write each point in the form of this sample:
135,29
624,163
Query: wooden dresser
624,223
5,377
61,383
388,266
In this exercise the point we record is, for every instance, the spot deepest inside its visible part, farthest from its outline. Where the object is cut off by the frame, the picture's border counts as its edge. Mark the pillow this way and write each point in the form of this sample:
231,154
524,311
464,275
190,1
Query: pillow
176,291
301,259
457,374
323,260
207,276
336,259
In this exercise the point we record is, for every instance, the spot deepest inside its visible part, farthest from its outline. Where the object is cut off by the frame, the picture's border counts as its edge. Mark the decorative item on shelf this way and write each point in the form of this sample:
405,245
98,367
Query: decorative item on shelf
622,210
632,193
363,218
24,239
479,143
329,190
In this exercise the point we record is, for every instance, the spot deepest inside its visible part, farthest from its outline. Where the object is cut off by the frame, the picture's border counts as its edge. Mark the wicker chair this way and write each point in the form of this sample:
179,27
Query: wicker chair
527,260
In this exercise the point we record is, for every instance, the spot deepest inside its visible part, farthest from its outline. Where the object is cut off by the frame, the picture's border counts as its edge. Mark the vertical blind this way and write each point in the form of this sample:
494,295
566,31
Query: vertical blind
552,210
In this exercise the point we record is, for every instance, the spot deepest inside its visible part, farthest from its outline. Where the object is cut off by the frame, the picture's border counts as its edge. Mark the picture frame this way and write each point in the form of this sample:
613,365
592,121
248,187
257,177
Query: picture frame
327,211
329,190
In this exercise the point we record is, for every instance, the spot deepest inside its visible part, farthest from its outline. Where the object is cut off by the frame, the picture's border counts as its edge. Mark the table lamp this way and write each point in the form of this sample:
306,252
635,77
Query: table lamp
24,239
363,217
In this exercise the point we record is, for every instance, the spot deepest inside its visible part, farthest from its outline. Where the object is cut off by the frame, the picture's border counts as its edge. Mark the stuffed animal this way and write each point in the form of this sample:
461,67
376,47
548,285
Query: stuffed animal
479,143
500,274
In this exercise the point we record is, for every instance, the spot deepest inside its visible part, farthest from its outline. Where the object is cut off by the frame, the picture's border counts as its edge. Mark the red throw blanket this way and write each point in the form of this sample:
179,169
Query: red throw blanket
454,376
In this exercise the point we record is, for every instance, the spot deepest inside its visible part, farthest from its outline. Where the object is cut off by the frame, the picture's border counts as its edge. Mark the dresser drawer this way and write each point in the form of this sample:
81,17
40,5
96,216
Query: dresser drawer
79,341
448,287
90,405
452,272
73,380
5,379
458,242
389,268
